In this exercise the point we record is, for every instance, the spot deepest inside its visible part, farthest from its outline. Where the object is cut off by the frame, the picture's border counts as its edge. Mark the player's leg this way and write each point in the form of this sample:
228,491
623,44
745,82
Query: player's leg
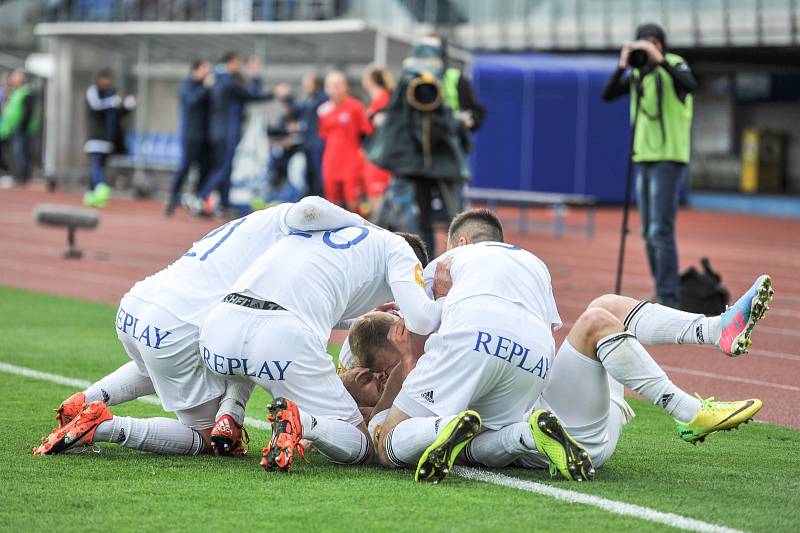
228,436
653,323
189,435
311,402
126,383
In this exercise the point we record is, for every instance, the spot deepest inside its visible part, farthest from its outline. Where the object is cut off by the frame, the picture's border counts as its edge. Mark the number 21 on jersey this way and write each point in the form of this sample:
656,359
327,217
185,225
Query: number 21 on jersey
222,233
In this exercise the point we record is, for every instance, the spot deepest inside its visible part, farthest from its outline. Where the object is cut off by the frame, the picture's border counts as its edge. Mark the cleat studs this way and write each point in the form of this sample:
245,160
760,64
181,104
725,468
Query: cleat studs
542,424
571,468
584,455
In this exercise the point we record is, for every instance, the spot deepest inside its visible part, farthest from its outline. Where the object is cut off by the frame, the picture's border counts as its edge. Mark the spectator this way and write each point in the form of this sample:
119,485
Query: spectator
379,84
194,98
660,89
19,122
6,181
105,106
228,98
313,146
342,123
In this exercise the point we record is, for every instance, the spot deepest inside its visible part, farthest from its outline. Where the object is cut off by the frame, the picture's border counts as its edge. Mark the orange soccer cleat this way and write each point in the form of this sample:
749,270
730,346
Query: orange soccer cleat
70,408
80,431
287,432
226,437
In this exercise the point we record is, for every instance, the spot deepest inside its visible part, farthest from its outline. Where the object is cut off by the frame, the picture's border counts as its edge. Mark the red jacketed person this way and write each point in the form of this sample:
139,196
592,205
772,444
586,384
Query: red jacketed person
342,123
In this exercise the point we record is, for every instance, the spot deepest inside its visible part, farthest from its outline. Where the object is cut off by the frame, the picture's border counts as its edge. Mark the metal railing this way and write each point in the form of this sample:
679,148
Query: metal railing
473,24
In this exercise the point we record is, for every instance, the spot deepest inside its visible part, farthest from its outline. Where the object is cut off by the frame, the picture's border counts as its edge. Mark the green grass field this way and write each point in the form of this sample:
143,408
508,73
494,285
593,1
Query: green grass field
743,480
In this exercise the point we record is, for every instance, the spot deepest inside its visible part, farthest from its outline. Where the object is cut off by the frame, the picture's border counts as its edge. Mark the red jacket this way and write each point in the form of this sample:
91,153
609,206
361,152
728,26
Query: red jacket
341,127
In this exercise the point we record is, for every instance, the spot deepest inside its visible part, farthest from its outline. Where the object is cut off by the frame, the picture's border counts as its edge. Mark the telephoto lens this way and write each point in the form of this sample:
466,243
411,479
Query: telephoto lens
637,58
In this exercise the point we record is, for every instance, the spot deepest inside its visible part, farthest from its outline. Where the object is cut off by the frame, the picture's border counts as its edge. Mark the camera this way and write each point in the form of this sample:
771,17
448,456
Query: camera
638,58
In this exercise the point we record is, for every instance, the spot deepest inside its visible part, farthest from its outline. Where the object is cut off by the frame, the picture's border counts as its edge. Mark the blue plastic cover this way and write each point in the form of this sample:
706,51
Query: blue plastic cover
547,127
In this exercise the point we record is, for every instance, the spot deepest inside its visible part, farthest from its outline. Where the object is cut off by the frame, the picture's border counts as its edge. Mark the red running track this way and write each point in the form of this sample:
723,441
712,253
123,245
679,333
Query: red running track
134,240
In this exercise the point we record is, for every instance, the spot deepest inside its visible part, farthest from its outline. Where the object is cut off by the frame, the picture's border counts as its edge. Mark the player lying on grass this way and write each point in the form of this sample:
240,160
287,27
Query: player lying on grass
158,324
581,392
273,327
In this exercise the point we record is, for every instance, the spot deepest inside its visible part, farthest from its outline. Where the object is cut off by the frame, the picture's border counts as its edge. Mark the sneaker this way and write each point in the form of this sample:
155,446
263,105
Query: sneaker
70,408
566,456
170,205
438,459
79,432
287,432
97,197
740,319
194,204
229,438
716,416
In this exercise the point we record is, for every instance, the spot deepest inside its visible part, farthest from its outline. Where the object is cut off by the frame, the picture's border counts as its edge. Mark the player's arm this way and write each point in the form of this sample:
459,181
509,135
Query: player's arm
404,276
313,213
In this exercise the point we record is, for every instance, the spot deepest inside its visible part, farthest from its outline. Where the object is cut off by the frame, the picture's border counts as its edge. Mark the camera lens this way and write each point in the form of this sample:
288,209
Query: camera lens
637,58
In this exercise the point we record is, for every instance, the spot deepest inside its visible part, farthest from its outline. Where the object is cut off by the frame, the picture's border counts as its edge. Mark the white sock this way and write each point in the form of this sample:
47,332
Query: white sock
498,449
410,438
339,441
657,324
236,395
165,436
122,385
629,363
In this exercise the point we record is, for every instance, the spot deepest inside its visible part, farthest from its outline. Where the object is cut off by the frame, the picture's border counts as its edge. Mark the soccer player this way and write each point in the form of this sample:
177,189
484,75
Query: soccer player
273,327
485,366
158,324
599,346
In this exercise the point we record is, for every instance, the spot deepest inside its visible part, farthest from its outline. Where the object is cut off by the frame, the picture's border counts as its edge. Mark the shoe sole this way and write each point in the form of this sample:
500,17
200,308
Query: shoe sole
221,445
702,438
758,310
435,465
579,465
270,460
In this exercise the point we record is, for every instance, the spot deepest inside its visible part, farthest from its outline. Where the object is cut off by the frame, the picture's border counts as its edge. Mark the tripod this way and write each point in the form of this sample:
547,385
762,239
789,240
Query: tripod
628,188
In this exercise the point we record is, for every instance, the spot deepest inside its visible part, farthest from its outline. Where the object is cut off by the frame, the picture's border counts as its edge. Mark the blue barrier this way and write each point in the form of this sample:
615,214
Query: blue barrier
547,127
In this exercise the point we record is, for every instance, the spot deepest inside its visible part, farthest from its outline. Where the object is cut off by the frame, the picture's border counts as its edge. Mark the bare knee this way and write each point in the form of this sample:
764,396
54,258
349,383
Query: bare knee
395,417
619,306
594,324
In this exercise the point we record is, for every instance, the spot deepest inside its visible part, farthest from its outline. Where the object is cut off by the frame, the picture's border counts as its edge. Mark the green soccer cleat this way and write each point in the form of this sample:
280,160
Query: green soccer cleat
438,459
97,197
565,455
716,416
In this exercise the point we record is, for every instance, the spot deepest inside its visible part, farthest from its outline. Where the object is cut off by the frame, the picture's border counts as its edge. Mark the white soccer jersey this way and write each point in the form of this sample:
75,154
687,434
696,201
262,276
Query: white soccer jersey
326,277
203,276
500,270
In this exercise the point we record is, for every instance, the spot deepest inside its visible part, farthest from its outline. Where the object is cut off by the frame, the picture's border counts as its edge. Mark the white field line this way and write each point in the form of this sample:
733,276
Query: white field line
620,508
615,507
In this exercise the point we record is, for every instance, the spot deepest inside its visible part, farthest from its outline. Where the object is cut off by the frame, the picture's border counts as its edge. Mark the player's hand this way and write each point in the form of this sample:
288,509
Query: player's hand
624,53
390,307
209,80
652,51
410,345
442,282
129,102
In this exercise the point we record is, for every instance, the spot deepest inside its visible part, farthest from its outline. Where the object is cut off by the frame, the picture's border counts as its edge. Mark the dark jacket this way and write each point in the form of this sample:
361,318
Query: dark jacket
306,110
194,98
104,114
228,99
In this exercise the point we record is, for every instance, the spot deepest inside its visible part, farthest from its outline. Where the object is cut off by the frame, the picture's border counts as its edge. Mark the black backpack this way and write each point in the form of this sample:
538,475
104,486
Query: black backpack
702,292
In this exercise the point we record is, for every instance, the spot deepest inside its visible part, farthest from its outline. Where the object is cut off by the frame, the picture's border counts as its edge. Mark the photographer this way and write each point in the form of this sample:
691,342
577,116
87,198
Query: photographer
660,84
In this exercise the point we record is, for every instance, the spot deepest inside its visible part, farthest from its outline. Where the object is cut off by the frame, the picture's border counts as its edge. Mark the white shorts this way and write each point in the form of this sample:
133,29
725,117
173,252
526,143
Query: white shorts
165,348
489,355
589,403
277,351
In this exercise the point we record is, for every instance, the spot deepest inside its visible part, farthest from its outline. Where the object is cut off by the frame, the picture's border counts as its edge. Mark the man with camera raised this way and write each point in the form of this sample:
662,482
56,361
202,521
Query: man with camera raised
660,84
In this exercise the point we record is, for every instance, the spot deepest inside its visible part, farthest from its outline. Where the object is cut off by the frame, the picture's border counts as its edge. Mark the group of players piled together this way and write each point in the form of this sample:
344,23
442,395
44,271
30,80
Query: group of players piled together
456,355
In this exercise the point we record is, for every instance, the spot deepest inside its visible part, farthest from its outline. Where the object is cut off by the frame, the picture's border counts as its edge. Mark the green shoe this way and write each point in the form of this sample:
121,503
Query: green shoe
438,459
98,197
716,416
565,455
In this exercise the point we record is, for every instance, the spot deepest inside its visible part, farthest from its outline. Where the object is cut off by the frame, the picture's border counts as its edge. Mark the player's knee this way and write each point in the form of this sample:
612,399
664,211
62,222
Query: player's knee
596,323
606,301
